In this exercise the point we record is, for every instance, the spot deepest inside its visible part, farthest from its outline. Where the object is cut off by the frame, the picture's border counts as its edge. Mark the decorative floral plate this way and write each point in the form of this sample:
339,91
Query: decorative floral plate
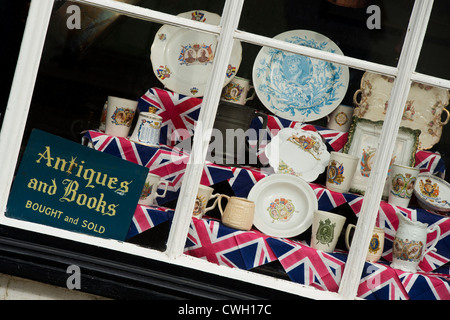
432,192
296,87
298,152
423,109
284,205
182,59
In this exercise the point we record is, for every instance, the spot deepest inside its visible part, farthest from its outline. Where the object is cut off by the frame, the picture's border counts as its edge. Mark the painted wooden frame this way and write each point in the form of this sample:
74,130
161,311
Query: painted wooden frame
23,85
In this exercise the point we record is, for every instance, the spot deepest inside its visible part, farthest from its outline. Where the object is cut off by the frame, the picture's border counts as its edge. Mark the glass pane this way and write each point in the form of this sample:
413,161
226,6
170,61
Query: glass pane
91,54
354,31
434,61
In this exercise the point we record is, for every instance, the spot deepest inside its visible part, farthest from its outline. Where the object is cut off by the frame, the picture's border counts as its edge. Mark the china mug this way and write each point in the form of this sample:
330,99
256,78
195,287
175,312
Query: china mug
401,184
150,190
119,116
238,213
326,229
147,129
204,194
236,91
341,118
340,170
376,243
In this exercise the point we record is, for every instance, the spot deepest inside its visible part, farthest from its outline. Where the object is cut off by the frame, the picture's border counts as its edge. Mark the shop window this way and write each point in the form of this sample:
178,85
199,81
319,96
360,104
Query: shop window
131,55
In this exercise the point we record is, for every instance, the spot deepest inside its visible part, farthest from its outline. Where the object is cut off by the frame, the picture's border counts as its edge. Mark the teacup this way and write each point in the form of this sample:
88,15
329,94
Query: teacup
238,213
236,91
204,194
150,190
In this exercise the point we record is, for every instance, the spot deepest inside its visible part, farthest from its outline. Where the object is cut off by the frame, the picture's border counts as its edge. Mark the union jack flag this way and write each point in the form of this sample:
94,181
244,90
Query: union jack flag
210,240
380,282
147,217
168,163
309,266
426,286
179,113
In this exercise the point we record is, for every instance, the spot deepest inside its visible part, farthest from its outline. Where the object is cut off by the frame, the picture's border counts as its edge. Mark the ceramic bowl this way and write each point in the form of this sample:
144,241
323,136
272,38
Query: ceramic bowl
433,193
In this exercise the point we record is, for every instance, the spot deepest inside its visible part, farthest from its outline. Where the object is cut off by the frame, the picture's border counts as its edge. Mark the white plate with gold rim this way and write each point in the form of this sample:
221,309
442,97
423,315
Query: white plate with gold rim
182,59
284,205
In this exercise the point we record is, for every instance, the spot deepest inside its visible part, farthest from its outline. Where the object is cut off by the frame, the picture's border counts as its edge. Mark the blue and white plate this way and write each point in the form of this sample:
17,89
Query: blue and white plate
299,88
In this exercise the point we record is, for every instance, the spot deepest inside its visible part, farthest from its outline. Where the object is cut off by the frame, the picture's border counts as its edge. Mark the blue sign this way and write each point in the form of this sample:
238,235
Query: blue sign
67,185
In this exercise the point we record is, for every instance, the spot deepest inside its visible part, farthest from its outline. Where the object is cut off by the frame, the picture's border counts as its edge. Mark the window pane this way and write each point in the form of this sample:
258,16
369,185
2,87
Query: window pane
347,27
91,54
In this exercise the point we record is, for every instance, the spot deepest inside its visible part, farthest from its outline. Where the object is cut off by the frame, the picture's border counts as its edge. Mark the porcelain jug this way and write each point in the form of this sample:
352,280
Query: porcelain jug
409,245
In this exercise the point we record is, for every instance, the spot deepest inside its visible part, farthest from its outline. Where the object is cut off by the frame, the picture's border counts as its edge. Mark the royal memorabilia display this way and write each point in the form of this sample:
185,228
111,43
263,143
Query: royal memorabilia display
182,58
297,87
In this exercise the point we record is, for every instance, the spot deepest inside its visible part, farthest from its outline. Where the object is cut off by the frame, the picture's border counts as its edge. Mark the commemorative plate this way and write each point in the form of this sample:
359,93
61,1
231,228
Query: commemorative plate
297,87
284,205
182,59
298,152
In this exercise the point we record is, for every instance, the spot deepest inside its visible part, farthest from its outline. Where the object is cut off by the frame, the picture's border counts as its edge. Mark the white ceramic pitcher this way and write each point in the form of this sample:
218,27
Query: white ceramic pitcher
410,243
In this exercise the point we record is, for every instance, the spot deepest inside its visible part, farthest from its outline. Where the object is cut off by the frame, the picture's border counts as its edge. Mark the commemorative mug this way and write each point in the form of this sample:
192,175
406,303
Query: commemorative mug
376,244
147,129
341,168
236,91
401,184
119,116
150,190
326,229
341,118
204,194
238,213
410,243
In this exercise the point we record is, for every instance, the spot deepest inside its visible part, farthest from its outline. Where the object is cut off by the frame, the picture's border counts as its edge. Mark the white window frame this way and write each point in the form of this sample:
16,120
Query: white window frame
22,90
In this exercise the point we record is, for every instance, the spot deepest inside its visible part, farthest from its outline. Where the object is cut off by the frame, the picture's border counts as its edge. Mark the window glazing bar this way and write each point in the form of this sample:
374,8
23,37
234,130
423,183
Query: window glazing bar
369,211
430,80
315,53
191,180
